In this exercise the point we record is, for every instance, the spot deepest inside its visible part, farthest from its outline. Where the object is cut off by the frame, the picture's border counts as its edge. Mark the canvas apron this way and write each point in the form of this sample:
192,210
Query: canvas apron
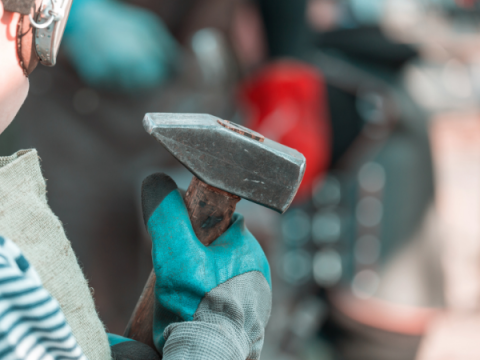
26,219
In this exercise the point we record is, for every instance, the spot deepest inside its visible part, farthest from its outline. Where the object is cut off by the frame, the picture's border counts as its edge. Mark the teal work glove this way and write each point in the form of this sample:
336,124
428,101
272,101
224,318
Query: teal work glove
211,302
118,46
128,349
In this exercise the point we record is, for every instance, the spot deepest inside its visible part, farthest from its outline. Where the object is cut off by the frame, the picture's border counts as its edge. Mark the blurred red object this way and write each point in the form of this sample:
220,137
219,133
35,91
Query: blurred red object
286,101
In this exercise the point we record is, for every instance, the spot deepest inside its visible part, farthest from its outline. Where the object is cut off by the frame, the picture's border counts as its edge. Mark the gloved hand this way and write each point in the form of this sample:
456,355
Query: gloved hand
211,302
118,46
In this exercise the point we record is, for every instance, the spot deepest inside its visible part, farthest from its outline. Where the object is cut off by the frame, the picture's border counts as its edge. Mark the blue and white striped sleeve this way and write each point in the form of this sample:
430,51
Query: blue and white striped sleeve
32,325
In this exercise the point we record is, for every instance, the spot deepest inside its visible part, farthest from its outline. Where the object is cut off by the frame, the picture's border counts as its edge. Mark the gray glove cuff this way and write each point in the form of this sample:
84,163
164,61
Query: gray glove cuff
229,323
205,341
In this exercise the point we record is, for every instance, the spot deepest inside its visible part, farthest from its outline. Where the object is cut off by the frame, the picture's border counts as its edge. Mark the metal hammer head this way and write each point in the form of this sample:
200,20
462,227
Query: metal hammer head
230,157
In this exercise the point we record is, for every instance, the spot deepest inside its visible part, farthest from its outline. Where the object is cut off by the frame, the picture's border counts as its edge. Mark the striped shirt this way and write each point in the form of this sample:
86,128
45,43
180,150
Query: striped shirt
32,325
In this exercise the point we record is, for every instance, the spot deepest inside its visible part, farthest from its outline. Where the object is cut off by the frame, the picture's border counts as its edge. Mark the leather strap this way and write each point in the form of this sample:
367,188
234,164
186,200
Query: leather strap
27,55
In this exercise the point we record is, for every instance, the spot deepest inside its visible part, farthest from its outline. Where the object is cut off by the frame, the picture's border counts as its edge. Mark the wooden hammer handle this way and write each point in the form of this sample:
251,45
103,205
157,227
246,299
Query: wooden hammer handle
210,210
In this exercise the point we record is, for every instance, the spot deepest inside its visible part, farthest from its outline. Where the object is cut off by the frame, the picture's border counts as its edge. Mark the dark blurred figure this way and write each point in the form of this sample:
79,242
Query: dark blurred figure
342,268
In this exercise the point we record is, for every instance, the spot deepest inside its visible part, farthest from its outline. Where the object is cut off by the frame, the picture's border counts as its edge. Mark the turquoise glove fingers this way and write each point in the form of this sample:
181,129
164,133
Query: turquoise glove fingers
174,240
179,258
175,246
238,243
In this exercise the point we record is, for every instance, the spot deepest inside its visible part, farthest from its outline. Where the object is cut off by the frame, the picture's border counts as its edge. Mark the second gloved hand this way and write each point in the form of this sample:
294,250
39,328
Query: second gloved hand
211,302
118,46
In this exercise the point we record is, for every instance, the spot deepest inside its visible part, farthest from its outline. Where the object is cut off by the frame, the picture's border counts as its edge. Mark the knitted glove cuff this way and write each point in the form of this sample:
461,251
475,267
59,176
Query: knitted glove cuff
201,340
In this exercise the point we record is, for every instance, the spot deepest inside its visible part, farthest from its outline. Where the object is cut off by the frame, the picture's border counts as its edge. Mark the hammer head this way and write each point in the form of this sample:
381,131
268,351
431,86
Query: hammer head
230,157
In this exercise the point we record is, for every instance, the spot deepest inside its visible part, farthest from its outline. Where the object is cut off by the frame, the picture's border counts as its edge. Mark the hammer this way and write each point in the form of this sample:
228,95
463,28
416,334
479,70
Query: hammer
228,162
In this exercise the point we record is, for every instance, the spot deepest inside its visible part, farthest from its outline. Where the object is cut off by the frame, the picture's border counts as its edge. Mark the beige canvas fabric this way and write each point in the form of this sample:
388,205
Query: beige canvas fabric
26,218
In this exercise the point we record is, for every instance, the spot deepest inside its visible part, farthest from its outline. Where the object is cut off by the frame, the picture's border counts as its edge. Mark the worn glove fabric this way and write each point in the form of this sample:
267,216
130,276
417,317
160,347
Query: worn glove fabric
118,46
211,302
27,220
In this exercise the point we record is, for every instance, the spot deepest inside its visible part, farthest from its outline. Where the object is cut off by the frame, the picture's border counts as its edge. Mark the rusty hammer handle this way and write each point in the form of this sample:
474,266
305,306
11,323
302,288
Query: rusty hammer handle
210,210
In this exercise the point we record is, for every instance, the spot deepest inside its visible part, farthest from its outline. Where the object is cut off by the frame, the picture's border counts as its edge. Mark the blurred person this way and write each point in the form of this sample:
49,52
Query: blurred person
406,275
47,307
392,297
340,107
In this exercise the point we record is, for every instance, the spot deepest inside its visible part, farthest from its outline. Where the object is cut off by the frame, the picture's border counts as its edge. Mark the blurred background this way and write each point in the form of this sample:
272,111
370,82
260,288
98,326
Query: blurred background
379,256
